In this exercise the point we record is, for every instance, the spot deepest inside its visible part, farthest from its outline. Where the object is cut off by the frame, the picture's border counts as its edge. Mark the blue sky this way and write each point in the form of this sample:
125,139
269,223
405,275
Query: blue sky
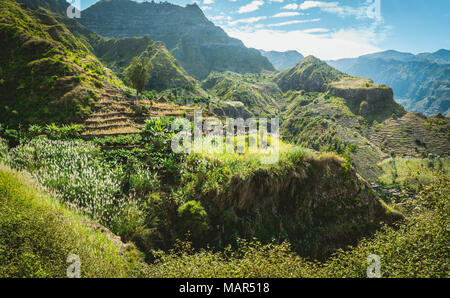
331,29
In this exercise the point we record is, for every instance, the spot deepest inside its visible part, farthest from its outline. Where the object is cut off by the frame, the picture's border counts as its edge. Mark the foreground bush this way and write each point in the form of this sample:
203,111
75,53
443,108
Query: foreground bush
37,234
417,247
84,181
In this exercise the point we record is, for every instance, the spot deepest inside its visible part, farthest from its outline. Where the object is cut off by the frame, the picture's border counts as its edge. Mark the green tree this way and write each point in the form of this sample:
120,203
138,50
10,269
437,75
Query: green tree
137,73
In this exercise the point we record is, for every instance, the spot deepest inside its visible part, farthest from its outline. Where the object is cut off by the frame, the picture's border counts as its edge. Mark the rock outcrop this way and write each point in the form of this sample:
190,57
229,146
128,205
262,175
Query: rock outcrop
199,45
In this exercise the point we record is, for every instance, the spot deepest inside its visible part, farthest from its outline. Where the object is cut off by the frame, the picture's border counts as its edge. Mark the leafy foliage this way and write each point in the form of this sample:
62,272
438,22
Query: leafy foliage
137,73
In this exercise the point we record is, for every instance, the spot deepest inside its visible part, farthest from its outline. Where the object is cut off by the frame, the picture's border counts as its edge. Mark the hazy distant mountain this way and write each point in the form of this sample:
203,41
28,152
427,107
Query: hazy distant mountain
199,45
282,60
421,83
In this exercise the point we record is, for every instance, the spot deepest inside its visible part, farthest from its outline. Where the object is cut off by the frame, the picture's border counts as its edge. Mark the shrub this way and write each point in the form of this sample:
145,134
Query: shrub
194,219
81,179
3,149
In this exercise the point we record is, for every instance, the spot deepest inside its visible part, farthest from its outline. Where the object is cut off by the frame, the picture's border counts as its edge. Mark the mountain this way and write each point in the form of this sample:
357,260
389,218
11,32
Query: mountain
46,73
327,110
310,74
421,83
243,95
199,45
441,57
116,53
363,97
282,60
59,6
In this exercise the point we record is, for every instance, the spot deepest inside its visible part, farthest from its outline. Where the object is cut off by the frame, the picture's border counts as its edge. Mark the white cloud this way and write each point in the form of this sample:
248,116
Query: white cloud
362,11
252,6
333,45
293,22
291,6
316,30
286,14
312,4
208,1
247,20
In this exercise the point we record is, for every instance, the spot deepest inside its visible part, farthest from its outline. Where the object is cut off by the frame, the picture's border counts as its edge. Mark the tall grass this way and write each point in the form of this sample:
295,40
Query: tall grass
82,180
38,233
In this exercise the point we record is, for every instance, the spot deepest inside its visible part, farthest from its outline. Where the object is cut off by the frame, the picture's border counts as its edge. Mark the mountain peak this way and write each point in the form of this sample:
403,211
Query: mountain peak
310,74
191,38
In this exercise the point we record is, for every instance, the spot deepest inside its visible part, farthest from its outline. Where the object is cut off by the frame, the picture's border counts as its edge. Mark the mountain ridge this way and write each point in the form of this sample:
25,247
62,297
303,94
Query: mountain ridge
283,60
199,45
420,82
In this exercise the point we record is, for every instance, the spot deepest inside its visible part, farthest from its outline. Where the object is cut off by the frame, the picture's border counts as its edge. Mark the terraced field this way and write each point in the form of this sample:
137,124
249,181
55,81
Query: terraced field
119,114
412,135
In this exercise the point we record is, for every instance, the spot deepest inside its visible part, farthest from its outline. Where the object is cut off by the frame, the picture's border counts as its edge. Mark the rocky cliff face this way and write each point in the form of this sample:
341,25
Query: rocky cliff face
420,82
375,102
196,43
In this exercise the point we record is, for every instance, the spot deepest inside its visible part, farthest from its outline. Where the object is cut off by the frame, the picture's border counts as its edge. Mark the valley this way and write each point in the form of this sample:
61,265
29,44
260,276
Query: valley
90,107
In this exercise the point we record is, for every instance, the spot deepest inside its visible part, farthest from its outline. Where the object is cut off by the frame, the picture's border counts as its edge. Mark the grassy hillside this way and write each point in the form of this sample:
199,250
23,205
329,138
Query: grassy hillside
325,122
38,234
46,74
310,74
255,92
316,202
417,248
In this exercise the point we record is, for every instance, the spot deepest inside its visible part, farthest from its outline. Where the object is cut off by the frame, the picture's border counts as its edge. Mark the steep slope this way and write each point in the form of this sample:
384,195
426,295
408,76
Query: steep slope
420,82
38,234
166,72
374,102
282,60
327,110
324,122
117,54
254,92
194,41
59,6
46,74
310,74
316,202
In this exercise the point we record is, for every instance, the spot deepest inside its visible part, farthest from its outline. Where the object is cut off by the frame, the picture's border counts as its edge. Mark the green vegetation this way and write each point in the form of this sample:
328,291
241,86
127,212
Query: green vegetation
38,234
355,175
137,73
415,248
413,173
47,74
243,95
310,74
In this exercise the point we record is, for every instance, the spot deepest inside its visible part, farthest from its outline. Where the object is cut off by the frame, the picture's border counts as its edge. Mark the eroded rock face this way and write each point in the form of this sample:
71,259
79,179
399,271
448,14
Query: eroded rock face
196,43
319,205
366,101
